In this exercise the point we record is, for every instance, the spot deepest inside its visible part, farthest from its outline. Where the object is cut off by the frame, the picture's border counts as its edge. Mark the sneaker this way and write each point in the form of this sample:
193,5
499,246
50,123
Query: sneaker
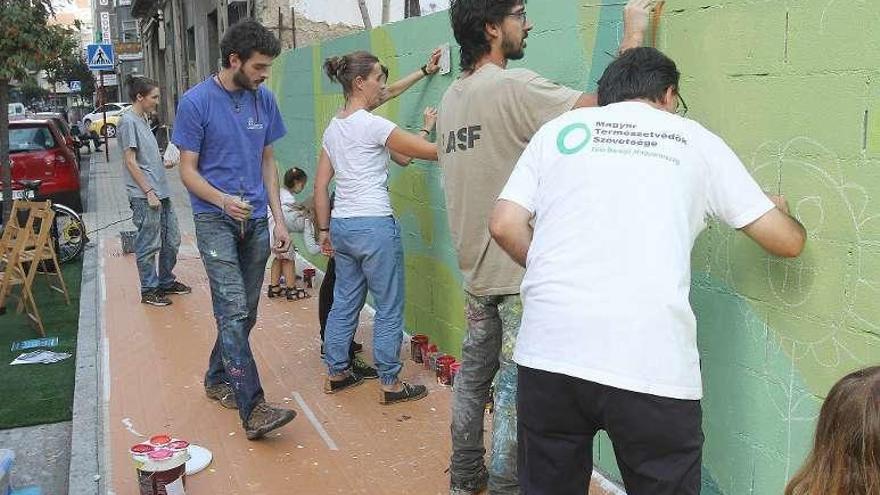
470,486
265,418
363,369
408,393
222,392
333,386
155,297
177,288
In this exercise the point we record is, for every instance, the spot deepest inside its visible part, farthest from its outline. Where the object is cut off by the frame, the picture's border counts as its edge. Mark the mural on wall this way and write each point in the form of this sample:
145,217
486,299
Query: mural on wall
781,82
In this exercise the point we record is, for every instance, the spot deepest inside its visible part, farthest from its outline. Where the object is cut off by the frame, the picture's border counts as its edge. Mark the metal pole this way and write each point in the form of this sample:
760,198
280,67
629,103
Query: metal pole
280,25
293,25
104,104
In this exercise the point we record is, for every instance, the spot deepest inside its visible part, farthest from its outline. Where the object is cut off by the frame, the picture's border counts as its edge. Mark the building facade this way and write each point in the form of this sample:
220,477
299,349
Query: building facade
180,39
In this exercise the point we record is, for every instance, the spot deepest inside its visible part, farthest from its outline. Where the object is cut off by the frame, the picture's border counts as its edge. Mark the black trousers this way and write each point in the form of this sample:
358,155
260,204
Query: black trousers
325,299
658,441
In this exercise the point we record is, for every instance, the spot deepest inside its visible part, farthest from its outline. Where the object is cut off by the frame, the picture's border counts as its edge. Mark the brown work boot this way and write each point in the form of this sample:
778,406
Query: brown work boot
223,393
265,418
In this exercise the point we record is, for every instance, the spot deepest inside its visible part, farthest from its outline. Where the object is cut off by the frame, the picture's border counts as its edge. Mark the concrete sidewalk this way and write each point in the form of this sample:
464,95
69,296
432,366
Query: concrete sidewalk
149,368
140,371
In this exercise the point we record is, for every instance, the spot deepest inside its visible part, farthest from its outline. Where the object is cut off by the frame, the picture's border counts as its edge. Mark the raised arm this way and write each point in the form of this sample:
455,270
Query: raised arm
398,87
428,123
635,22
406,145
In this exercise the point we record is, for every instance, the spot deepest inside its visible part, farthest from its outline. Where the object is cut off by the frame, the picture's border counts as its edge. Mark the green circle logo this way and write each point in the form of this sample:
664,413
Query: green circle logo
582,141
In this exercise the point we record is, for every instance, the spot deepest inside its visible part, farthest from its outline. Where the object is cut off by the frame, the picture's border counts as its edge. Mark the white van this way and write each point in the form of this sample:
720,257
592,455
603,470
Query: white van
16,109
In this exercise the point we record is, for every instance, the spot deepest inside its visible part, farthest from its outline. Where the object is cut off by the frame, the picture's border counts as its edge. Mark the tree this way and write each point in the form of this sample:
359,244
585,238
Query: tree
365,14
31,92
27,42
412,8
71,66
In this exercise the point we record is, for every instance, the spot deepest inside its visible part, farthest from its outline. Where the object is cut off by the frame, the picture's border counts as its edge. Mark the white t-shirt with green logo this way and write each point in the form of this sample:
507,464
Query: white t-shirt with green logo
619,195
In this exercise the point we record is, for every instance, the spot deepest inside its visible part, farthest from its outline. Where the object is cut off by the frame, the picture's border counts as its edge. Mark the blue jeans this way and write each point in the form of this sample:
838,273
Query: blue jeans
235,265
369,256
157,233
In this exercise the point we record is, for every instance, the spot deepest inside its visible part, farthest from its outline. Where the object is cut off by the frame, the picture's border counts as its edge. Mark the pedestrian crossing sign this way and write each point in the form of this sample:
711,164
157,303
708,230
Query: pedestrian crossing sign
100,56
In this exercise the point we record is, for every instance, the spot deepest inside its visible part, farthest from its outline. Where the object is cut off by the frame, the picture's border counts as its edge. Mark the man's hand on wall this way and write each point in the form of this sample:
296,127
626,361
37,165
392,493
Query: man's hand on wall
635,22
780,202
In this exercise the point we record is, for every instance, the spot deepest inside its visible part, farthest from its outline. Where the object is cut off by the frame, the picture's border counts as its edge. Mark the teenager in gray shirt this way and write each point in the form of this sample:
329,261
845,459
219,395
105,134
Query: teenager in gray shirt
148,193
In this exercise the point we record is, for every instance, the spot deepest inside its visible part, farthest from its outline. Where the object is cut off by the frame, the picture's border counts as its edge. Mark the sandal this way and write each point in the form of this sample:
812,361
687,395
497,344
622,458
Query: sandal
297,293
274,291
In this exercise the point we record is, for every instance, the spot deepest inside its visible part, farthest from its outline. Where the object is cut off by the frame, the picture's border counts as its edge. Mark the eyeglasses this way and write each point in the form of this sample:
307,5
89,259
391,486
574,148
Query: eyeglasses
682,109
523,18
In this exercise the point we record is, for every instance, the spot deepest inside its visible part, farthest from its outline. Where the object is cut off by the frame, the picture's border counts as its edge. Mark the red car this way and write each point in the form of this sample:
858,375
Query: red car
39,151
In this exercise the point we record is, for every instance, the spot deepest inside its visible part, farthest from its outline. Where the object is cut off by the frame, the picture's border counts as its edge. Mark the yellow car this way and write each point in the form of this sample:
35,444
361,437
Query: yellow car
100,127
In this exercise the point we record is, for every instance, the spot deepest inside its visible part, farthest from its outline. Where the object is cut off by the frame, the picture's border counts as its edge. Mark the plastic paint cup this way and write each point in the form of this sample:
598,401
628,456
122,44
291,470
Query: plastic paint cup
178,445
454,368
444,369
159,440
141,449
308,275
415,346
427,349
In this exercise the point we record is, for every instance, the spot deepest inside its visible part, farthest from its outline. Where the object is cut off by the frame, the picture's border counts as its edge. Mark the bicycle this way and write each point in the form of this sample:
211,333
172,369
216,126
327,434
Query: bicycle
68,230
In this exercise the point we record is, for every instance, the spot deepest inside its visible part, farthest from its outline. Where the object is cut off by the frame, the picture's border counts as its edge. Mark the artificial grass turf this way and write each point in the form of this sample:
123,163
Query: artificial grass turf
34,394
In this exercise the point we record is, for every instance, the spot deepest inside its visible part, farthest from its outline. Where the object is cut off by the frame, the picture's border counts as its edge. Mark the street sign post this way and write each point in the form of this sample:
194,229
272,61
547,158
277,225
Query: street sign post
100,57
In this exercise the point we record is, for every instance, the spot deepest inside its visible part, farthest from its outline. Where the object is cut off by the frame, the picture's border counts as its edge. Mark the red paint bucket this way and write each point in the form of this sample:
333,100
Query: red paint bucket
444,371
454,368
427,349
415,346
308,275
161,465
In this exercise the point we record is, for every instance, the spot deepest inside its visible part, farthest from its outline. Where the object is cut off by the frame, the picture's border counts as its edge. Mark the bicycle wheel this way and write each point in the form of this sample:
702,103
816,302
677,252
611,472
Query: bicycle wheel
69,232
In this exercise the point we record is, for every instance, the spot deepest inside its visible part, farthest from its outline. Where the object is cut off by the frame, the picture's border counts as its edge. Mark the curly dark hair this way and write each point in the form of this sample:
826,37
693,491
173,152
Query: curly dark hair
294,175
246,37
469,19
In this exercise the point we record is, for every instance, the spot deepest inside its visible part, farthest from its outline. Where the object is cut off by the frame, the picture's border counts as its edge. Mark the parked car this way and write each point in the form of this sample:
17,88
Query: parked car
98,113
71,138
38,151
16,109
106,128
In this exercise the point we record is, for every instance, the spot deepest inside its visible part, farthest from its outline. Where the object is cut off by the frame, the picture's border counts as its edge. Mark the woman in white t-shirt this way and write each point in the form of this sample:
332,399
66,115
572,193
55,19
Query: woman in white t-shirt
357,146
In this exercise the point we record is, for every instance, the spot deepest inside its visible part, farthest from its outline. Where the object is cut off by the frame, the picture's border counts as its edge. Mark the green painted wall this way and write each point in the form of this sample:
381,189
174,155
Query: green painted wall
794,87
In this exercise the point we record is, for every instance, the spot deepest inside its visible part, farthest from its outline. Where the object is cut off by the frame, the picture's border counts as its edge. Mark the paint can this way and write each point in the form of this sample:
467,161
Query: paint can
454,368
444,369
308,275
161,465
415,346
427,349
431,362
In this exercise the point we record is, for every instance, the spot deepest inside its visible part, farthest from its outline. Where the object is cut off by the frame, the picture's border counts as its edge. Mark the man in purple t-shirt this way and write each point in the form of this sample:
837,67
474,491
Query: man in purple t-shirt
225,128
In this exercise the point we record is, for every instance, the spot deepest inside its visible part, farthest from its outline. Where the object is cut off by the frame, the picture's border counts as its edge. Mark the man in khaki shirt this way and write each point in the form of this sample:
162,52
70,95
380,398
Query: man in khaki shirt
486,119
